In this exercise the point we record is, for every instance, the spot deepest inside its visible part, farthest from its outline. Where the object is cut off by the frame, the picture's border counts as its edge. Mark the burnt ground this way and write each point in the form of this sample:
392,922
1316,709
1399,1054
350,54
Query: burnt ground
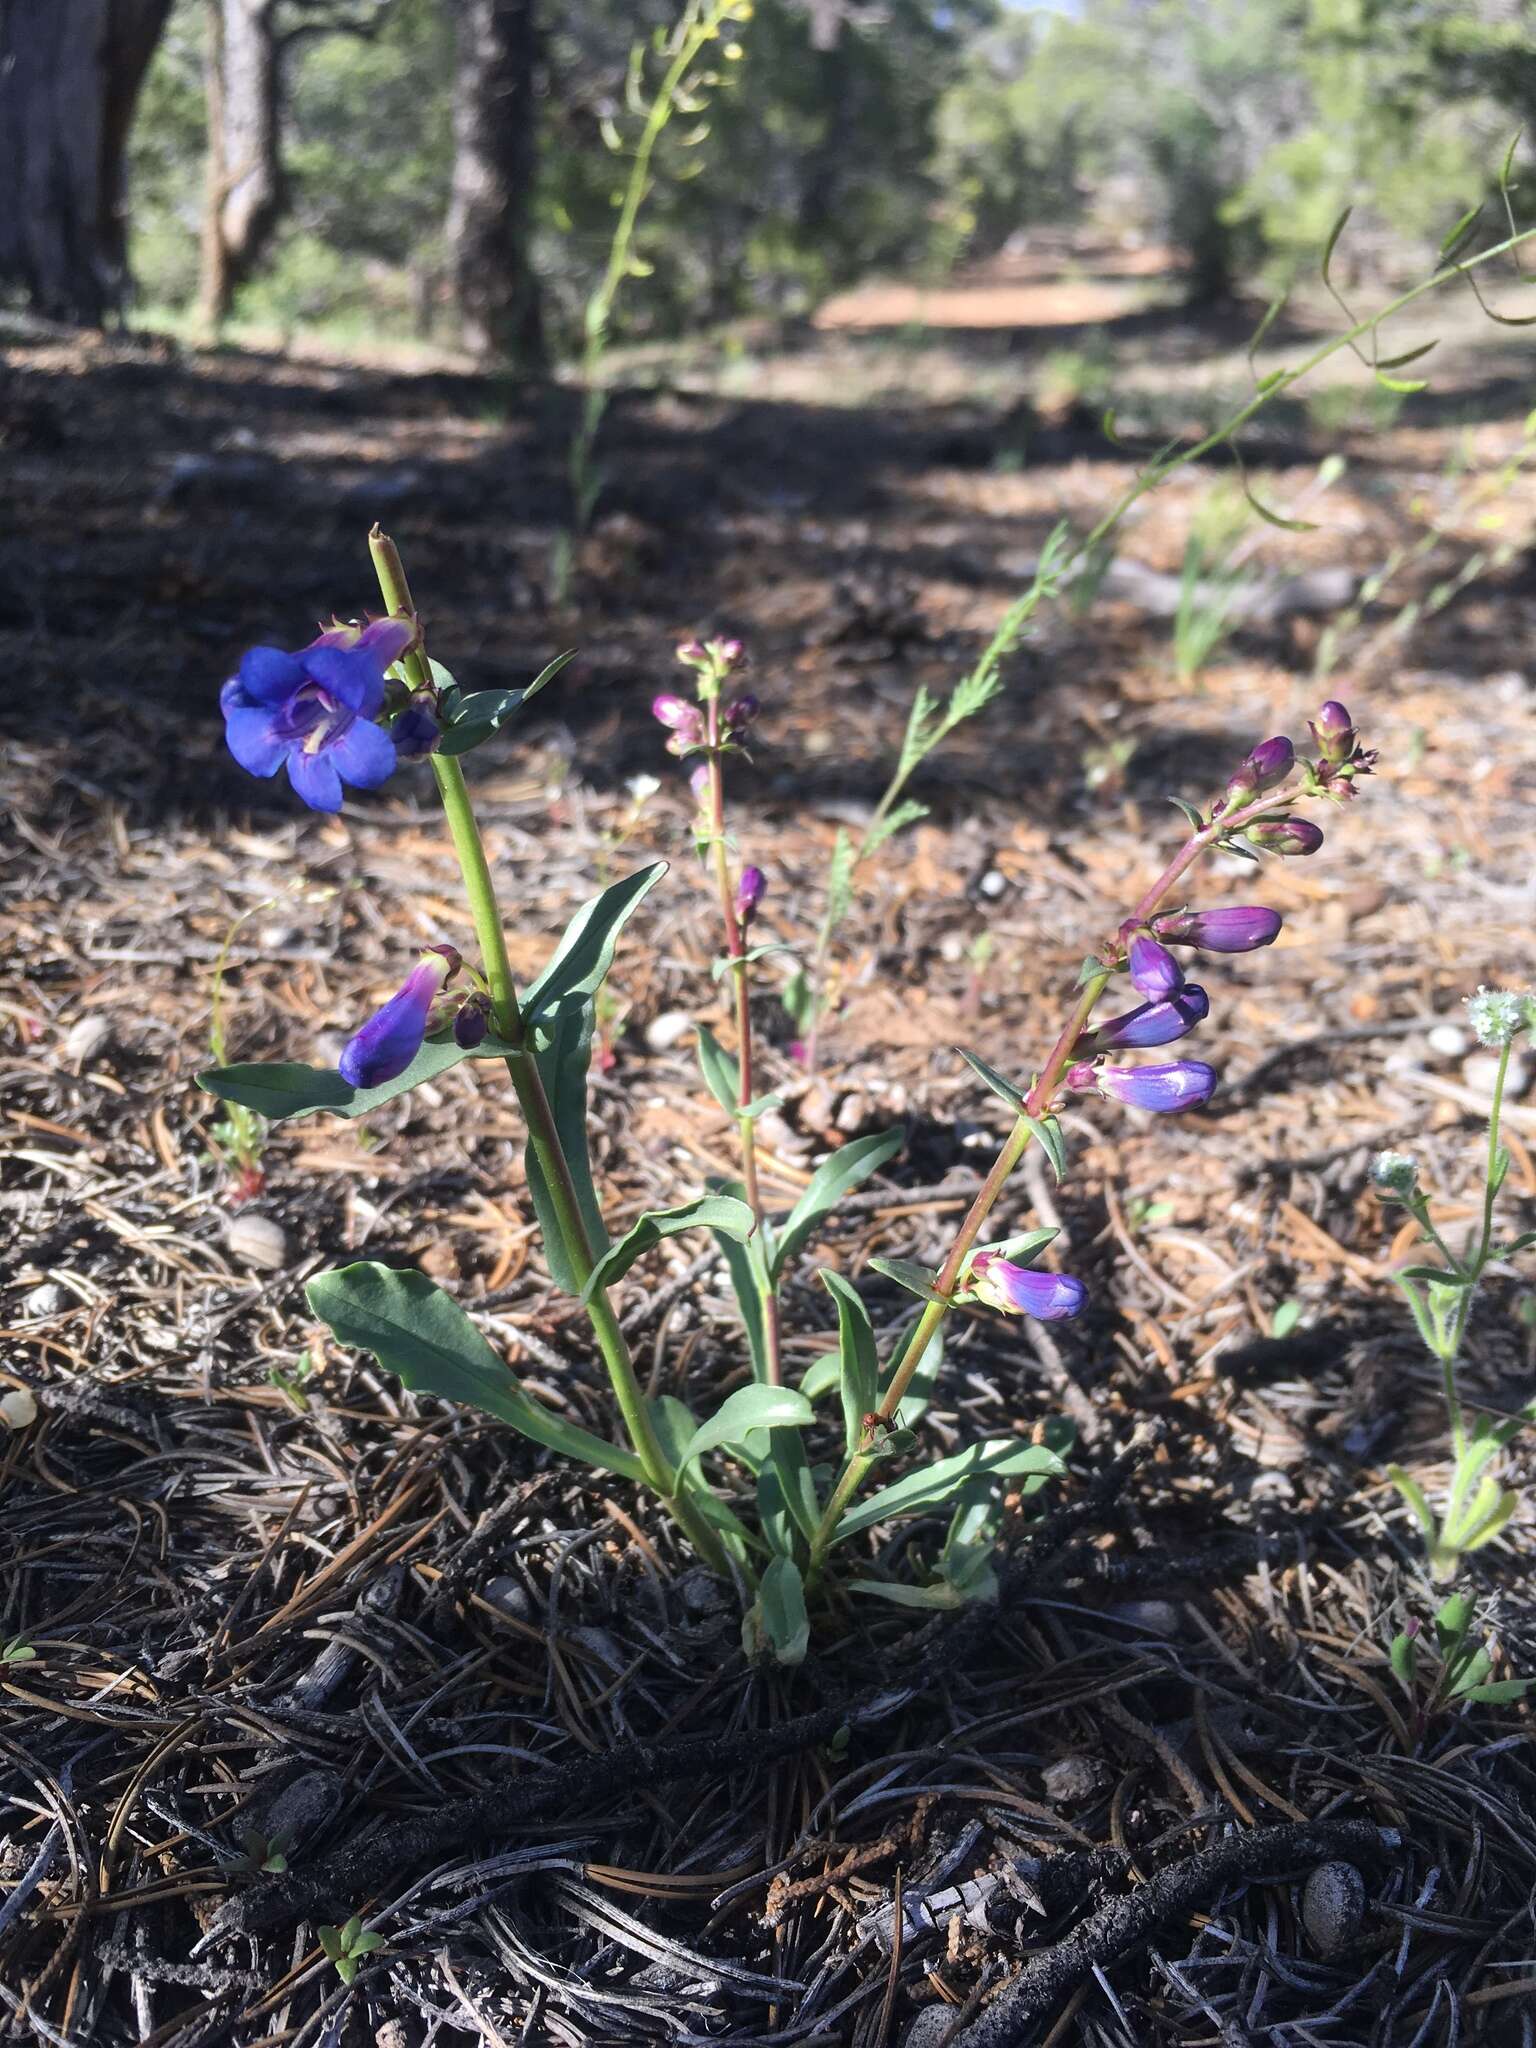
487,1703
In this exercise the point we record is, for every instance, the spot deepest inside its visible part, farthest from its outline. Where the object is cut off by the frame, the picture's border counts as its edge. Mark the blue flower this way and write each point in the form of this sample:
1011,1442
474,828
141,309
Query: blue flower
1181,1084
1152,1024
1020,1291
315,710
1153,968
391,1039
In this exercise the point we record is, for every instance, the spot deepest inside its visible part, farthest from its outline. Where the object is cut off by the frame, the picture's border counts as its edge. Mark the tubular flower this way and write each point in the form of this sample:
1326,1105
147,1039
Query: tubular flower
1153,968
1268,765
1238,930
391,1039
1181,1084
1153,1024
749,892
1020,1291
1284,835
315,710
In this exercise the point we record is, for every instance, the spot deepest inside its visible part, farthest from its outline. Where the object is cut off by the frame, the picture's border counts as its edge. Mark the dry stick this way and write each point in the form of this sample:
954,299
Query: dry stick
740,972
1114,1929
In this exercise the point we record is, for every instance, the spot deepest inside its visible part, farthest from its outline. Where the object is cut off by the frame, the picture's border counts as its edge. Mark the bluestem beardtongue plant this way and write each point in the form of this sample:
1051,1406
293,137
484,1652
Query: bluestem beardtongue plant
1017,1290
317,711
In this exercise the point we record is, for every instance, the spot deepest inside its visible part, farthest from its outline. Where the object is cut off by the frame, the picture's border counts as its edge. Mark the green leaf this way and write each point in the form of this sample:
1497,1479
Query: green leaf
1413,1494
843,1170
475,717
1405,386
821,1376
722,1076
777,1617
421,1334
280,1088
1500,1692
1489,1516
1522,1243
674,1422
941,1596
1472,1673
749,1408
1452,1620
914,1278
1404,1661
1046,1132
559,1016
1460,232
1285,1318
1272,518
1333,242
934,1484
1409,355
1004,1090
840,879
1197,823
859,1361
1023,1248
798,1000
719,1213
1438,1276
887,827
786,1472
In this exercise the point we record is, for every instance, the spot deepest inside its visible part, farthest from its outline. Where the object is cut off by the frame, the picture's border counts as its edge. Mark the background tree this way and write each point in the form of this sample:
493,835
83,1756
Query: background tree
495,164
70,74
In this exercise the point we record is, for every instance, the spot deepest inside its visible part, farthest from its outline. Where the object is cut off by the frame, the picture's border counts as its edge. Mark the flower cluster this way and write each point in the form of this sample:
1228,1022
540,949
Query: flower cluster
318,712
1499,1015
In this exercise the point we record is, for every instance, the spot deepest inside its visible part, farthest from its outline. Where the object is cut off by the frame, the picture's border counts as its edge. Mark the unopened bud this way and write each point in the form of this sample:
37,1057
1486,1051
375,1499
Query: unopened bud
471,1023
749,892
1237,930
1284,835
740,712
1266,767
1395,1174
1154,970
1334,731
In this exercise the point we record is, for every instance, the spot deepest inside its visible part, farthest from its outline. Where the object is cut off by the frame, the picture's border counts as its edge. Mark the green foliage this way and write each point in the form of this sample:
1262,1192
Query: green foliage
346,1947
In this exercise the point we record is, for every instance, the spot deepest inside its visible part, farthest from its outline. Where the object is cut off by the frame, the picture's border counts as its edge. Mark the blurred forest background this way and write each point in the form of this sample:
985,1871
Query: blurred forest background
446,171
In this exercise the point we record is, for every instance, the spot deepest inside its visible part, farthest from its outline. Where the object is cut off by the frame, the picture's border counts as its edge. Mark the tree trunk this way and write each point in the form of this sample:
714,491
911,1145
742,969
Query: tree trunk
494,165
70,74
243,197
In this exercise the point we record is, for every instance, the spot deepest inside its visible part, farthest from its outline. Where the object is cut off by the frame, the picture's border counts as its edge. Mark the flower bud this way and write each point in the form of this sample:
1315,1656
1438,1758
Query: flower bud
1238,930
728,654
698,782
692,652
1154,970
750,890
1284,835
676,712
1153,1024
1081,1077
740,712
1182,1084
392,1036
1268,765
1334,732
471,1022
415,732
1021,1291
1395,1175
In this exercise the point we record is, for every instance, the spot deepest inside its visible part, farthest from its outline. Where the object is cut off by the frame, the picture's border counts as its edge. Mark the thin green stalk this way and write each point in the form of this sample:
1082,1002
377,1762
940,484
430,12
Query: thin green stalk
1477,1260
746,1126
522,1067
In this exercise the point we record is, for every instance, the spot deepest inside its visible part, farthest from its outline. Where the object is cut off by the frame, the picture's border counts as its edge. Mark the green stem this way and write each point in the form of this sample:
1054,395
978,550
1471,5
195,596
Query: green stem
523,1068
1478,1259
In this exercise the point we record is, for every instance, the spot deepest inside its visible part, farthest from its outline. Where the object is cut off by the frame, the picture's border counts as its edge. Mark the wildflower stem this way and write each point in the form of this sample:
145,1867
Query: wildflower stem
1036,1105
746,1093
522,1067
1476,1260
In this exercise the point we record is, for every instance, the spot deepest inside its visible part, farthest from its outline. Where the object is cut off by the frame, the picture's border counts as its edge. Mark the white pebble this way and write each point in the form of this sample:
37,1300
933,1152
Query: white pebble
46,1300
1481,1069
18,1408
992,883
665,1031
258,1241
1449,1041
86,1036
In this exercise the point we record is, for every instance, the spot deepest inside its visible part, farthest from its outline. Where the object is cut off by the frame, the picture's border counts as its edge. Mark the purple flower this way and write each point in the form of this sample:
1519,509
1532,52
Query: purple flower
1284,835
391,1039
1153,1024
315,710
678,714
1269,763
415,732
1020,1291
1153,968
1181,1084
749,892
740,712
1238,930
698,782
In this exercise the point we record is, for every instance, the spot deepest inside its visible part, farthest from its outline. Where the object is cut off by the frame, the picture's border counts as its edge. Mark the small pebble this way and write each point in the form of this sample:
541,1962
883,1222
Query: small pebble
1332,1905
1163,1617
86,1037
993,883
1481,1069
509,1596
46,1300
18,1408
258,1241
1448,1041
1071,1779
853,1113
665,1031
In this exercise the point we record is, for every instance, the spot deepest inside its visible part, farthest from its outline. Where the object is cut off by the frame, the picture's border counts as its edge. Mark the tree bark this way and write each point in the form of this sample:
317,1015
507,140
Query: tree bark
495,163
70,74
243,197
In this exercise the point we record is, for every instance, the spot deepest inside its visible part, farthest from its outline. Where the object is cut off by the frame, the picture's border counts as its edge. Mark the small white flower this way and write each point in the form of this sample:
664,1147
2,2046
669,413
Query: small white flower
642,788
1497,1015
1395,1173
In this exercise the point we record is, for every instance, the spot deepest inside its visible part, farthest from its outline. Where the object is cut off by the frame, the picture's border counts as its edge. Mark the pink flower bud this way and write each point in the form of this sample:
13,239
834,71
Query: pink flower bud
676,712
1334,731
749,892
1237,930
1284,835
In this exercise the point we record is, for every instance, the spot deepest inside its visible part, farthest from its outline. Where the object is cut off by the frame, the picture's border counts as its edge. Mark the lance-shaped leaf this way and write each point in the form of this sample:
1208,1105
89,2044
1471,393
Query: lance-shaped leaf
559,1015
859,1363
475,717
831,1181
748,1268
281,1088
419,1333
914,1278
1003,1089
1004,1458
722,1076
777,1618
740,1413
719,1213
